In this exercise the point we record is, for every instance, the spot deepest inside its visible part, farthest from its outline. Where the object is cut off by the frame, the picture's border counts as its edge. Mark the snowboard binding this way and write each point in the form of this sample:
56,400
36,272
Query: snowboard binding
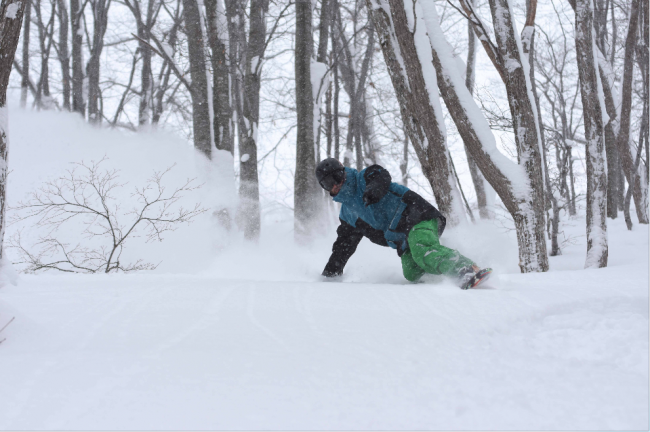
471,280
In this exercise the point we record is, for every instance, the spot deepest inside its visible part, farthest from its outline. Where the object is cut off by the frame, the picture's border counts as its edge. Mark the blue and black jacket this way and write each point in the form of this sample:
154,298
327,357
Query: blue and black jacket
374,207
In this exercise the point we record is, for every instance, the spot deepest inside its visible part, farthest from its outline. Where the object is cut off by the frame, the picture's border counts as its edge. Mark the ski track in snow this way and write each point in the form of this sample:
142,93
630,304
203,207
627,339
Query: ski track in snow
196,352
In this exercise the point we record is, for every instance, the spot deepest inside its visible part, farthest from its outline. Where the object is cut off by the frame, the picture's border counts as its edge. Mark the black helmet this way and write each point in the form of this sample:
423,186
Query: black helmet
330,172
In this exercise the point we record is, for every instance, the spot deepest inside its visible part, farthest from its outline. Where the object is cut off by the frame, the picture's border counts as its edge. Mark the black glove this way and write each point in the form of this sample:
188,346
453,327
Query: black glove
377,184
330,274
372,196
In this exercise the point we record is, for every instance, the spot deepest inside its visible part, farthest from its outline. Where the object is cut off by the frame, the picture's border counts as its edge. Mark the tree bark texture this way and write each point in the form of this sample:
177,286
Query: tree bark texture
100,23
355,86
528,42
145,21
328,118
323,31
524,118
45,39
336,92
321,57
249,193
601,11
11,19
404,163
166,68
24,83
349,76
613,173
511,181
78,96
635,179
222,122
306,188
64,53
424,123
597,249
199,90
637,162
624,152
643,58
236,57
470,72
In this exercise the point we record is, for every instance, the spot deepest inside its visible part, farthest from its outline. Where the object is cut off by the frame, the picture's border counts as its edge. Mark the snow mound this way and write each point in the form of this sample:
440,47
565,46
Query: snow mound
46,144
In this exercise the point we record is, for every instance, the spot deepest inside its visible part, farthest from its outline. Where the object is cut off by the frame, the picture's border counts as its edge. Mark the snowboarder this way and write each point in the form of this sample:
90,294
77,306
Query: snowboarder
390,214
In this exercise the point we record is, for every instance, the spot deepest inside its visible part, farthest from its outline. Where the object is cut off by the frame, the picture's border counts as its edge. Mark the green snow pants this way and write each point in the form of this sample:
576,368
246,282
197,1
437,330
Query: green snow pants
427,255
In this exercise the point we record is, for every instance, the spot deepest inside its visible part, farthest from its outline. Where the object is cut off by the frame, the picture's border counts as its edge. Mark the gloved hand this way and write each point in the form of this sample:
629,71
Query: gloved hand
377,184
331,274
372,196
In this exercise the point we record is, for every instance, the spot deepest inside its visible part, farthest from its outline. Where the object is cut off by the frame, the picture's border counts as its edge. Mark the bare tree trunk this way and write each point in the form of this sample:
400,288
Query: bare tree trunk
167,68
249,195
523,111
418,97
628,195
613,173
477,177
78,96
620,191
100,16
144,25
321,64
306,189
11,19
511,181
597,250
643,58
222,122
24,83
64,53
328,118
200,105
404,163
601,11
624,152
640,190
146,77
323,31
572,202
337,90
348,74
45,37
528,45
370,147
335,120
358,149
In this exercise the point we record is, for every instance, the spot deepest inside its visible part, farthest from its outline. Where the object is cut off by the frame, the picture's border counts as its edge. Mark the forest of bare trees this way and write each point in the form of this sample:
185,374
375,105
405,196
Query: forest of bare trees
542,121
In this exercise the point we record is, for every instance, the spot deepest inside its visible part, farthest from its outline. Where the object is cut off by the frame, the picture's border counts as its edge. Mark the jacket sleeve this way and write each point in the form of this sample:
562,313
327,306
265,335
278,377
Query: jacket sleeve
377,183
345,245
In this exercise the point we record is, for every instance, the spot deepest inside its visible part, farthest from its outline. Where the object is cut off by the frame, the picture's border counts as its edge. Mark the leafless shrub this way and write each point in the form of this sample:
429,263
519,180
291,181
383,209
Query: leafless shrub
85,196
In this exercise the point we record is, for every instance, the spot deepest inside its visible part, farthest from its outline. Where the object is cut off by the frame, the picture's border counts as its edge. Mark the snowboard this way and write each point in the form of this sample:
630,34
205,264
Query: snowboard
480,277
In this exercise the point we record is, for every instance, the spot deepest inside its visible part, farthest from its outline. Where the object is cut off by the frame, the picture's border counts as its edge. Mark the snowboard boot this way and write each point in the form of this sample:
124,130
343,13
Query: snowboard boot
472,276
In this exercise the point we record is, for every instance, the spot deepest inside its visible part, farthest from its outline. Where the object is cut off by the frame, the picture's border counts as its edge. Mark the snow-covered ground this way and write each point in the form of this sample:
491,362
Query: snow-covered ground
237,336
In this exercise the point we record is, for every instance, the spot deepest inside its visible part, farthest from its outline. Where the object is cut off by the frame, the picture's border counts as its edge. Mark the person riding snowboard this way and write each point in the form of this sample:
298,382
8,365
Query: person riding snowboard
390,214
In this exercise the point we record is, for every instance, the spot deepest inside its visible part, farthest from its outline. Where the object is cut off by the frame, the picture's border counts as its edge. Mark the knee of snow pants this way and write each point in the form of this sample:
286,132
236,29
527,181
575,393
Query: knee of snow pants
432,257
412,271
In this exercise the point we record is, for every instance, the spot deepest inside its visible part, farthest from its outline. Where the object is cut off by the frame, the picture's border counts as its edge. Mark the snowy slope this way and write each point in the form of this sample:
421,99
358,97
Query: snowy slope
562,350
236,336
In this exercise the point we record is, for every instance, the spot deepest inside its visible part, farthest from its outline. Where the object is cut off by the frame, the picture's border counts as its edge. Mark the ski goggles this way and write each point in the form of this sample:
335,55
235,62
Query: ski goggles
328,182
